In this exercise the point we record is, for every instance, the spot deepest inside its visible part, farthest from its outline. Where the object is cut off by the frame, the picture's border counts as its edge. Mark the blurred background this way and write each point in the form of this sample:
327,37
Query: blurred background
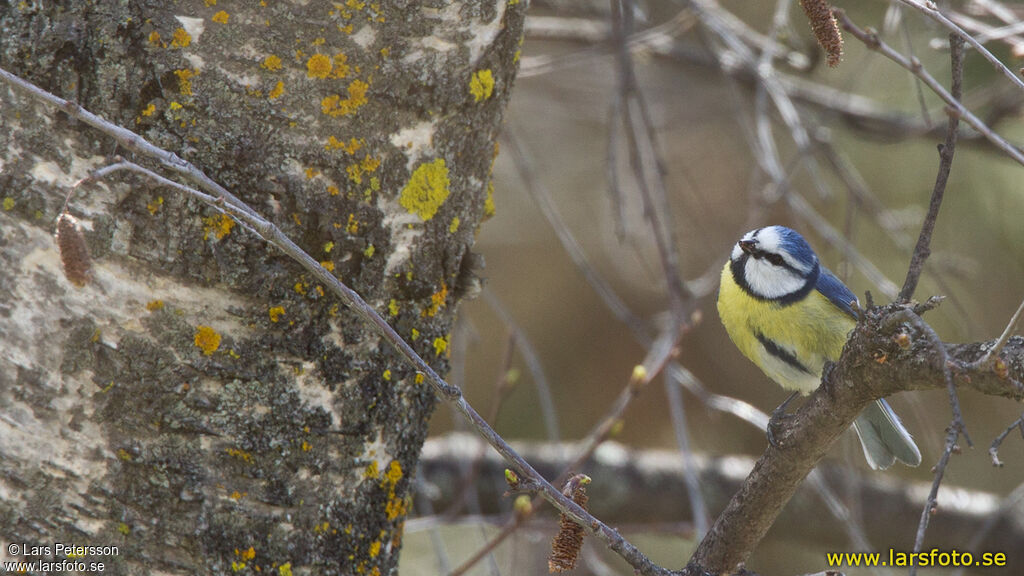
858,188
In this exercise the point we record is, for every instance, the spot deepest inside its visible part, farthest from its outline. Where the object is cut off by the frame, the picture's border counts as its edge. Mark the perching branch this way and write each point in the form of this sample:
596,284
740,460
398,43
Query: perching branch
873,365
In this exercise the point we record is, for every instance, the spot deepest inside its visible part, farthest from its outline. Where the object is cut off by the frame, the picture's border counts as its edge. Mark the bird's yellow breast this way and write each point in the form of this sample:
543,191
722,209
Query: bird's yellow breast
789,343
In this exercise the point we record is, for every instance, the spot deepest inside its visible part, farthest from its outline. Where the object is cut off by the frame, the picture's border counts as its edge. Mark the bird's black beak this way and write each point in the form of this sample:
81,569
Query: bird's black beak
748,246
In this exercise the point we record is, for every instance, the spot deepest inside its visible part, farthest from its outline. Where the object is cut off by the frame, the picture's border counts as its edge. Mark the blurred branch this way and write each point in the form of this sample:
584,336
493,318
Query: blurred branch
930,10
858,112
871,41
533,364
646,160
634,486
653,364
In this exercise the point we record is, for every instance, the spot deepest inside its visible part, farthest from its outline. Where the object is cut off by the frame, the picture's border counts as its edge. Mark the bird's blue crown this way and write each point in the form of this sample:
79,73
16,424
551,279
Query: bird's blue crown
795,245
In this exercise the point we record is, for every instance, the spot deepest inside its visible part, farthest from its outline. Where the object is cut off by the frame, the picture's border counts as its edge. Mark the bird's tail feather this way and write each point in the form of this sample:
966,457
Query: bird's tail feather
884,438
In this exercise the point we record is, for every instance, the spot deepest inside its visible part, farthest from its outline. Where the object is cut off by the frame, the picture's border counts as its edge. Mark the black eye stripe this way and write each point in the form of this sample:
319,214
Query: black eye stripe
775,260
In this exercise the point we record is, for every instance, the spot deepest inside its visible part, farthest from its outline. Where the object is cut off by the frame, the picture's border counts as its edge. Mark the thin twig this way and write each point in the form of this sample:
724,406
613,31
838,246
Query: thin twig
993,450
932,12
524,166
272,234
946,150
993,352
698,507
533,364
659,355
872,42
956,428
645,159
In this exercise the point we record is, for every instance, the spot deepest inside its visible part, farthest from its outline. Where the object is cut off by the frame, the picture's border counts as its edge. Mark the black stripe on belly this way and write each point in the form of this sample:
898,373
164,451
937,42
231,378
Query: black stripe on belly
779,352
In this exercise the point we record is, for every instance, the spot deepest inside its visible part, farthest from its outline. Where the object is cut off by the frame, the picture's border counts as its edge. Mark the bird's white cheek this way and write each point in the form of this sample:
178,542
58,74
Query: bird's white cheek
770,281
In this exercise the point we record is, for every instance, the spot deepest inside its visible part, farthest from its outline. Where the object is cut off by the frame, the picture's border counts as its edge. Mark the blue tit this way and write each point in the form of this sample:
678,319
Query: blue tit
789,315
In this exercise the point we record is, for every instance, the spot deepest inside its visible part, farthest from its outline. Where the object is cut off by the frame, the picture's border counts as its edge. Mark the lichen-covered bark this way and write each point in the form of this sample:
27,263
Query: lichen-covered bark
201,404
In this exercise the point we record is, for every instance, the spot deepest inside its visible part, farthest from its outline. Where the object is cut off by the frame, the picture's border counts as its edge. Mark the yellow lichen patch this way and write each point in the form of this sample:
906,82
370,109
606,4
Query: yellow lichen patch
350,147
180,39
239,454
395,507
394,473
369,251
440,345
393,307
481,85
370,164
154,38
210,3
427,189
154,305
248,554
414,335
328,246
185,77
333,190
437,300
275,313
375,548
124,455
334,105
277,91
285,569
328,265
207,339
341,68
306,446
386,375
300,288
352,227
271,62
318,66
8,204
219,225
148,110
155,205
371,470
311,173
353,145
418,379
489,201
220,17
454,226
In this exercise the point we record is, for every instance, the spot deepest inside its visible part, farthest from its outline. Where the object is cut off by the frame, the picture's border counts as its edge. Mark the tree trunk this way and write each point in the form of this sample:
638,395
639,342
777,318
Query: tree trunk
201,404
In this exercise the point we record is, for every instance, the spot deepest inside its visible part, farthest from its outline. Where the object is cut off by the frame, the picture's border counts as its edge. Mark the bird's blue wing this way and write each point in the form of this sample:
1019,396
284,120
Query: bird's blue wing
837,292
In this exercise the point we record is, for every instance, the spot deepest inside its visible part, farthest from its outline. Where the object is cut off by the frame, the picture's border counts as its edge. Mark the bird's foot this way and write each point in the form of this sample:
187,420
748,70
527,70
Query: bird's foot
777,422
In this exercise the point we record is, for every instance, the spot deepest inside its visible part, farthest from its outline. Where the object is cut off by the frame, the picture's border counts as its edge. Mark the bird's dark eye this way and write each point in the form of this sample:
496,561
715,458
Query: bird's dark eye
774,259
